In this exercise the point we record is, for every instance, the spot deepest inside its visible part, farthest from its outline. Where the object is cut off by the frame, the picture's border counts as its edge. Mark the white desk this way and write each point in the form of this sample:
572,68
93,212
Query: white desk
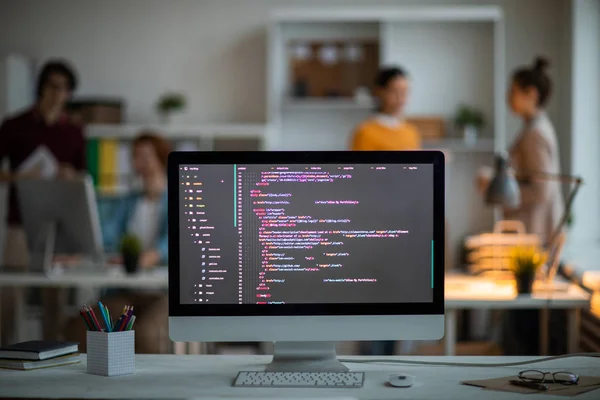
462,292
112,278
185,377
468,292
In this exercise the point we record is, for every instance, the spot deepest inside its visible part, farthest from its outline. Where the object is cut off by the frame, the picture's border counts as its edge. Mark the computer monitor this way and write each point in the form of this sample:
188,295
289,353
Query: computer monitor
59,217
306,249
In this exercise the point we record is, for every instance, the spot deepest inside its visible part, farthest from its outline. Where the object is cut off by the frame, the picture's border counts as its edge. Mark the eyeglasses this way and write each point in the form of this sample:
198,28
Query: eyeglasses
562,377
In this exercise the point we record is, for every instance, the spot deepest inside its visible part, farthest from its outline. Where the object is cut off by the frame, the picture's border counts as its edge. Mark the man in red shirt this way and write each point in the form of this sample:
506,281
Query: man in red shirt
45,124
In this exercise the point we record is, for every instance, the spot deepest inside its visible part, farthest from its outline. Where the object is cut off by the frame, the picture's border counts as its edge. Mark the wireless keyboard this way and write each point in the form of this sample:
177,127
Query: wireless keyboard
300,379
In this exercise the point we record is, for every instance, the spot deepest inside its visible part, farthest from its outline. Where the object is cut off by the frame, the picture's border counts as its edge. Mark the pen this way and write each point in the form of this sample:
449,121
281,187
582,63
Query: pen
529,385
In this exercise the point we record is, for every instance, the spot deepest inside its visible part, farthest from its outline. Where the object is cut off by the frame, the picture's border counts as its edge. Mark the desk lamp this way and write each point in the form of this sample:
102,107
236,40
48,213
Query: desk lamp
504,191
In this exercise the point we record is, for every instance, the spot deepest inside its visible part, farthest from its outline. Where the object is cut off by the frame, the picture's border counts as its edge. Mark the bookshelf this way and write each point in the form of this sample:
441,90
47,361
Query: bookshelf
327,104
109,148
454,55
475,33
201,132
453,145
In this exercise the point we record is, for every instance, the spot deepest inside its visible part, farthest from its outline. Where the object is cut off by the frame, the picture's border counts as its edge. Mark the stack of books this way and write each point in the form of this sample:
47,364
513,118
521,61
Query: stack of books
109,164
39,354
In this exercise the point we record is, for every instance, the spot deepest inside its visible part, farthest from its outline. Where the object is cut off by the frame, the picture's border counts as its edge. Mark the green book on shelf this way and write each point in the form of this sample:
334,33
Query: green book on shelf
93,159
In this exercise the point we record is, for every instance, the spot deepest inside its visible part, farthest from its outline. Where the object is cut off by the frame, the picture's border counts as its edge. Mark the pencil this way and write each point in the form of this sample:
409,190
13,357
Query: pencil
87,322
118,324
110,321
122,318
131,321
92,316
126,318
104,316
129,317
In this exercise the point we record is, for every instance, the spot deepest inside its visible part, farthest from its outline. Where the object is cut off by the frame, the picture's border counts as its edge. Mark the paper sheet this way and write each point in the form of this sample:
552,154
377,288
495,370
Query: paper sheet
43,160
585,384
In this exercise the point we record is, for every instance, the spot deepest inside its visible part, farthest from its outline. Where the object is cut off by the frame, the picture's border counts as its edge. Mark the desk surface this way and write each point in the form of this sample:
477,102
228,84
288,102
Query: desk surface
154,279
184,377
461,291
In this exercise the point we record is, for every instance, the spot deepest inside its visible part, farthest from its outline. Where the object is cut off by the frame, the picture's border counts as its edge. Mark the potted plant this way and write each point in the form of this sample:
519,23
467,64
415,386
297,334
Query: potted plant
525,262
169,104
131,248
470,121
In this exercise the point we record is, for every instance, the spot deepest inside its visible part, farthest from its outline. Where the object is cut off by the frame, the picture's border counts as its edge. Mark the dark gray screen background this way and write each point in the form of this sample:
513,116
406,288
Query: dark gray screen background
397,198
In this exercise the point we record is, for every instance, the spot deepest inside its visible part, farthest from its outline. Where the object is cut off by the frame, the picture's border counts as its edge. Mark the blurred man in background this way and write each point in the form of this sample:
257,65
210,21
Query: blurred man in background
31,141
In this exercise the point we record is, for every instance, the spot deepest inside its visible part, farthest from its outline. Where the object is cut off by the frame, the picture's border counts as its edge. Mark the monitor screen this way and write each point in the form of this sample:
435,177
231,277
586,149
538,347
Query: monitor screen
299,233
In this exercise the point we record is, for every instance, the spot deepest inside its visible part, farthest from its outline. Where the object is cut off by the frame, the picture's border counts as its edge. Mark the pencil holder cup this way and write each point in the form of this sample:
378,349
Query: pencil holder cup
111,353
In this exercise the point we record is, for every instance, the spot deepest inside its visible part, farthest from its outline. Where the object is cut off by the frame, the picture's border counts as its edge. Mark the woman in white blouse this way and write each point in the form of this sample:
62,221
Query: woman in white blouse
143,214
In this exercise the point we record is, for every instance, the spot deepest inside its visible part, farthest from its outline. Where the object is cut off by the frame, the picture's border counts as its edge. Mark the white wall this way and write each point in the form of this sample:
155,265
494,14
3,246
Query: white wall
19,83
3,89
586,117
452,64
449,63
214,50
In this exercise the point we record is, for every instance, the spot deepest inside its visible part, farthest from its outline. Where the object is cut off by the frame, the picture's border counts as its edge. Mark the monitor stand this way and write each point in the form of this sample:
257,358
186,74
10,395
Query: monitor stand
43,248
305,357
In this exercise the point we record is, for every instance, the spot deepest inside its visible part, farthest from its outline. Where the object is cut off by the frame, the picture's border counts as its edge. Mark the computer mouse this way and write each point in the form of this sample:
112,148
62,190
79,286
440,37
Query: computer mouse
401,380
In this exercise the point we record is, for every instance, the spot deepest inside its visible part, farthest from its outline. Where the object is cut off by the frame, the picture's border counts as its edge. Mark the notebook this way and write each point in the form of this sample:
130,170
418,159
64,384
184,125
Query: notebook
38,350
28,365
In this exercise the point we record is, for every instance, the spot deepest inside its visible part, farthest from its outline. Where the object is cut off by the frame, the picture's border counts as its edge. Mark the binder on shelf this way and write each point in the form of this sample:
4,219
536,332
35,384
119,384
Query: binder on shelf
123,167
92,155
108,165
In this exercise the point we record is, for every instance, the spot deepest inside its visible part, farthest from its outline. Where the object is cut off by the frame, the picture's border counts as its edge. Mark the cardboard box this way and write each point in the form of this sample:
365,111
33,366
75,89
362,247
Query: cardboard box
96,111
430,127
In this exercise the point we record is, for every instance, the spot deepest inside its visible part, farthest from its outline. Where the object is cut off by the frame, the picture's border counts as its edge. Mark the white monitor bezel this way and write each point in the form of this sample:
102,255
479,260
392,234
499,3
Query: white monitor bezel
406,321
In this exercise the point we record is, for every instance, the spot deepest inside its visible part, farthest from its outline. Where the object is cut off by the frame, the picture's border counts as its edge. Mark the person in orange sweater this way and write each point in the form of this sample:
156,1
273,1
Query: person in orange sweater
387,130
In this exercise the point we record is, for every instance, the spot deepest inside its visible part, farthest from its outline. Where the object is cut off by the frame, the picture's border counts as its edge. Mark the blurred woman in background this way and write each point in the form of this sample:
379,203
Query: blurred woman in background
388,130
535,149
142,214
